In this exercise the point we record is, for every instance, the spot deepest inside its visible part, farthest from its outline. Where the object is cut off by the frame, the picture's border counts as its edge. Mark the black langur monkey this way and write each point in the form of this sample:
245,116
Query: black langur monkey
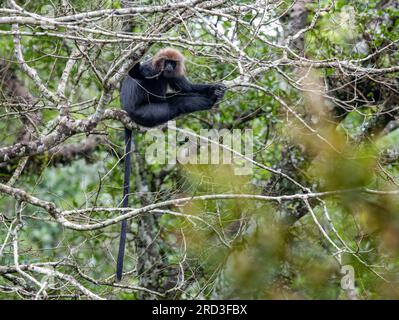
143,93
144,97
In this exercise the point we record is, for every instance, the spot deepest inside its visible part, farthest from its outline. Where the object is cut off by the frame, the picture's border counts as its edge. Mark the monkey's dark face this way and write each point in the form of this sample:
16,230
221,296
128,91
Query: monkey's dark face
169,68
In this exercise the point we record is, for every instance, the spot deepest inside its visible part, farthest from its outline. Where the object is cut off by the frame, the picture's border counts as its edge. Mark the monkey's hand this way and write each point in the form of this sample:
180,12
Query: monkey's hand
148,72
142,71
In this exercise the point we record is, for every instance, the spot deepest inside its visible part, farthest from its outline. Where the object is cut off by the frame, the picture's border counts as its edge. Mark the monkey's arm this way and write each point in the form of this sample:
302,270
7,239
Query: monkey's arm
143,71
181,84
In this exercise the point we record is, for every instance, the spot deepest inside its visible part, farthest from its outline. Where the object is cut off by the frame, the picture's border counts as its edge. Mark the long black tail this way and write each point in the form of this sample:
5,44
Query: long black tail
125,203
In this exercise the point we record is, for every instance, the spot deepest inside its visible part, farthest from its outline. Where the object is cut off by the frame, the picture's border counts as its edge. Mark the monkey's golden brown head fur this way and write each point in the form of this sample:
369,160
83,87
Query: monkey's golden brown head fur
169,54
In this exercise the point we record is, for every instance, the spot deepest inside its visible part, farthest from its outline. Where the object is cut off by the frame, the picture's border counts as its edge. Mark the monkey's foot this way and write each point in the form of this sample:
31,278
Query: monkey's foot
218,92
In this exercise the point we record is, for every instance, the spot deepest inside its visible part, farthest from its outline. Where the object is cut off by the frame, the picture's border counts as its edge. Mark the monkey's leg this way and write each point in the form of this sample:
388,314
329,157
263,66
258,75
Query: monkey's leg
153,114
191,103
